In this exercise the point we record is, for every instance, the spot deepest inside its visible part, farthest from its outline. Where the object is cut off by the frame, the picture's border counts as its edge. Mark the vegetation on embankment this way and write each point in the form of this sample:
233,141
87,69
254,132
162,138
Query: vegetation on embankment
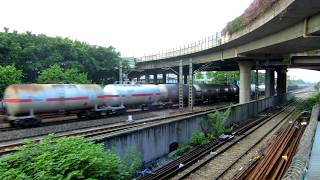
216,127
317,86
67,158
256,8
310,102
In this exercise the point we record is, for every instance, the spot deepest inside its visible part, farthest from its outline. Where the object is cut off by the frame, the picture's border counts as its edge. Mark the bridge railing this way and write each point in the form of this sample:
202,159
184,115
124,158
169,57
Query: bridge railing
201,45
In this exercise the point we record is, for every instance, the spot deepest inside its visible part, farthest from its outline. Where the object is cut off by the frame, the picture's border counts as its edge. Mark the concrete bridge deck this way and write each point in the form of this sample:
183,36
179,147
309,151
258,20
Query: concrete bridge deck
290,26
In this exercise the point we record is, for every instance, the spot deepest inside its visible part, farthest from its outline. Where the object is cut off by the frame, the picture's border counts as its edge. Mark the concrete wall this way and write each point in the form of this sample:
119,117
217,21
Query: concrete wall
154,141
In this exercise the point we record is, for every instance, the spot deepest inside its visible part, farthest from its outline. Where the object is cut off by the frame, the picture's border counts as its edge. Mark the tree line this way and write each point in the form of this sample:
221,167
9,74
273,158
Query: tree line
26,56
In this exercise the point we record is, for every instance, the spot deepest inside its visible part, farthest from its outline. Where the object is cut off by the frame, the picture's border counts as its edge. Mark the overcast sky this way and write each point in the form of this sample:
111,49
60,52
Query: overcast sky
133,27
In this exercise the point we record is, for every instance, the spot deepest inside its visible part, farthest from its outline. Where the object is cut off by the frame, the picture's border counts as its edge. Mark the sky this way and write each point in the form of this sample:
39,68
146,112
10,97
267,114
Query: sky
133,27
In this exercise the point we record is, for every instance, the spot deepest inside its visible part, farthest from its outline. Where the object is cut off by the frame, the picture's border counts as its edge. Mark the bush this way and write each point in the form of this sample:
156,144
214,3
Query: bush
9,75
235,25
182,148
317,86
55,74
64,158
310,102
216,122
198,138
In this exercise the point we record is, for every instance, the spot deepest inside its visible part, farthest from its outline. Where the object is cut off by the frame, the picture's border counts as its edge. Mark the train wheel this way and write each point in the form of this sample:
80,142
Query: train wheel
27,122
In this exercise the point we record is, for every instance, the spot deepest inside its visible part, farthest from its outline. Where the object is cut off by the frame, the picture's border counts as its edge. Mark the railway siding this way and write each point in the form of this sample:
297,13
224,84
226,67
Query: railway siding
234,150
154,140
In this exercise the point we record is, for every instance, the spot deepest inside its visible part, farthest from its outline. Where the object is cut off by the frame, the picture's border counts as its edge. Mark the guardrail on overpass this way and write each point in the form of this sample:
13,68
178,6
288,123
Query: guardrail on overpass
204,44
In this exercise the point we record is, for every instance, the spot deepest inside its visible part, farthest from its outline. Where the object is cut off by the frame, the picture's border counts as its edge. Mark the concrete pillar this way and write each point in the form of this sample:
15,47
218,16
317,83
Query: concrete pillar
164,78
281,81
284,80
245,81
185,79
147,78
269,83
155,78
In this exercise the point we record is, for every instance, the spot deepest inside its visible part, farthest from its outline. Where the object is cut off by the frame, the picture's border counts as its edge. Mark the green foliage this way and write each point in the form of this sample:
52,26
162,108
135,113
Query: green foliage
55,74
33,53
182,148
317,86
221,77
131,162
217,122
198,77
310,102
64,158
235,25
198,138
231,77
9,75
256,8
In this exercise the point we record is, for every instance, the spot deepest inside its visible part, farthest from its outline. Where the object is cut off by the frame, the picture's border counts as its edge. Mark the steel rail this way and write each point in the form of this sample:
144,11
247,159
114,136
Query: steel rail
189,158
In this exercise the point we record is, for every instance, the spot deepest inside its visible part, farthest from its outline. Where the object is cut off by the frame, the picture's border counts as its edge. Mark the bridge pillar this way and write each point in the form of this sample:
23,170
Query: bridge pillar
269,83
185,79
164,78
245,81
281,80
155,78
147,78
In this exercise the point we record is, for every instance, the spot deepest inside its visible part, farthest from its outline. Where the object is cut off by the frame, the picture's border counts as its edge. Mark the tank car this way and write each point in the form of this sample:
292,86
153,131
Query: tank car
203,93
22,102
132,95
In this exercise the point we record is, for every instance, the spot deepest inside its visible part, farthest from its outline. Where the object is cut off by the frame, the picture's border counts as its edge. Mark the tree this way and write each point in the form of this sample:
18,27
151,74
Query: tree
34,53
55,74
221,77
9,75
65,158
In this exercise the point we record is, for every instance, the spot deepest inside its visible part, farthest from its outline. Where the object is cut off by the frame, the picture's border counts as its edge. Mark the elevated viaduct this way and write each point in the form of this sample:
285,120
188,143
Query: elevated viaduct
286,35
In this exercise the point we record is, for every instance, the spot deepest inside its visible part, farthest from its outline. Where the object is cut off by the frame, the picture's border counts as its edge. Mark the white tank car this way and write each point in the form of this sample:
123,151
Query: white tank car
131,95
23,99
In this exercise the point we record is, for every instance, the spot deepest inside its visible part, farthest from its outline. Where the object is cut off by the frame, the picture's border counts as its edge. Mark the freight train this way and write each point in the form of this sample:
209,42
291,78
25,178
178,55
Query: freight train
24,103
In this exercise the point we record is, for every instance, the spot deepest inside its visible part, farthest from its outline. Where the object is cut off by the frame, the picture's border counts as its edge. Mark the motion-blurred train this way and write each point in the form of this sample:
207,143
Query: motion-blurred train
24,103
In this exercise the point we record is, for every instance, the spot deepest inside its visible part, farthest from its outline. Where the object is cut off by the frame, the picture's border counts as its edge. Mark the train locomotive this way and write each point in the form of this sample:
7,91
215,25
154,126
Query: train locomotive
24,103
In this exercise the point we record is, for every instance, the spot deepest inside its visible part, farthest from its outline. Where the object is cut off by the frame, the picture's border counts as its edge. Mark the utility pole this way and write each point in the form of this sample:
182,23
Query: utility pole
190,85
120,72
180,86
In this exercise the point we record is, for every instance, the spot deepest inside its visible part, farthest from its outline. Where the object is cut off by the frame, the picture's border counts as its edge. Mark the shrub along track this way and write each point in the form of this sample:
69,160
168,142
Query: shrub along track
200,156
8,146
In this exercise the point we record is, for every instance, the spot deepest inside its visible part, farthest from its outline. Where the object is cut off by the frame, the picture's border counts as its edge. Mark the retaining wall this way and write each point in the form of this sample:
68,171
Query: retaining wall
154,141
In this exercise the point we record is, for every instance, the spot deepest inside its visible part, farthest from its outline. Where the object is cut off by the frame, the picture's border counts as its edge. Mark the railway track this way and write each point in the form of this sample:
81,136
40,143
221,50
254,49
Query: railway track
8,146
184,165
274,162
